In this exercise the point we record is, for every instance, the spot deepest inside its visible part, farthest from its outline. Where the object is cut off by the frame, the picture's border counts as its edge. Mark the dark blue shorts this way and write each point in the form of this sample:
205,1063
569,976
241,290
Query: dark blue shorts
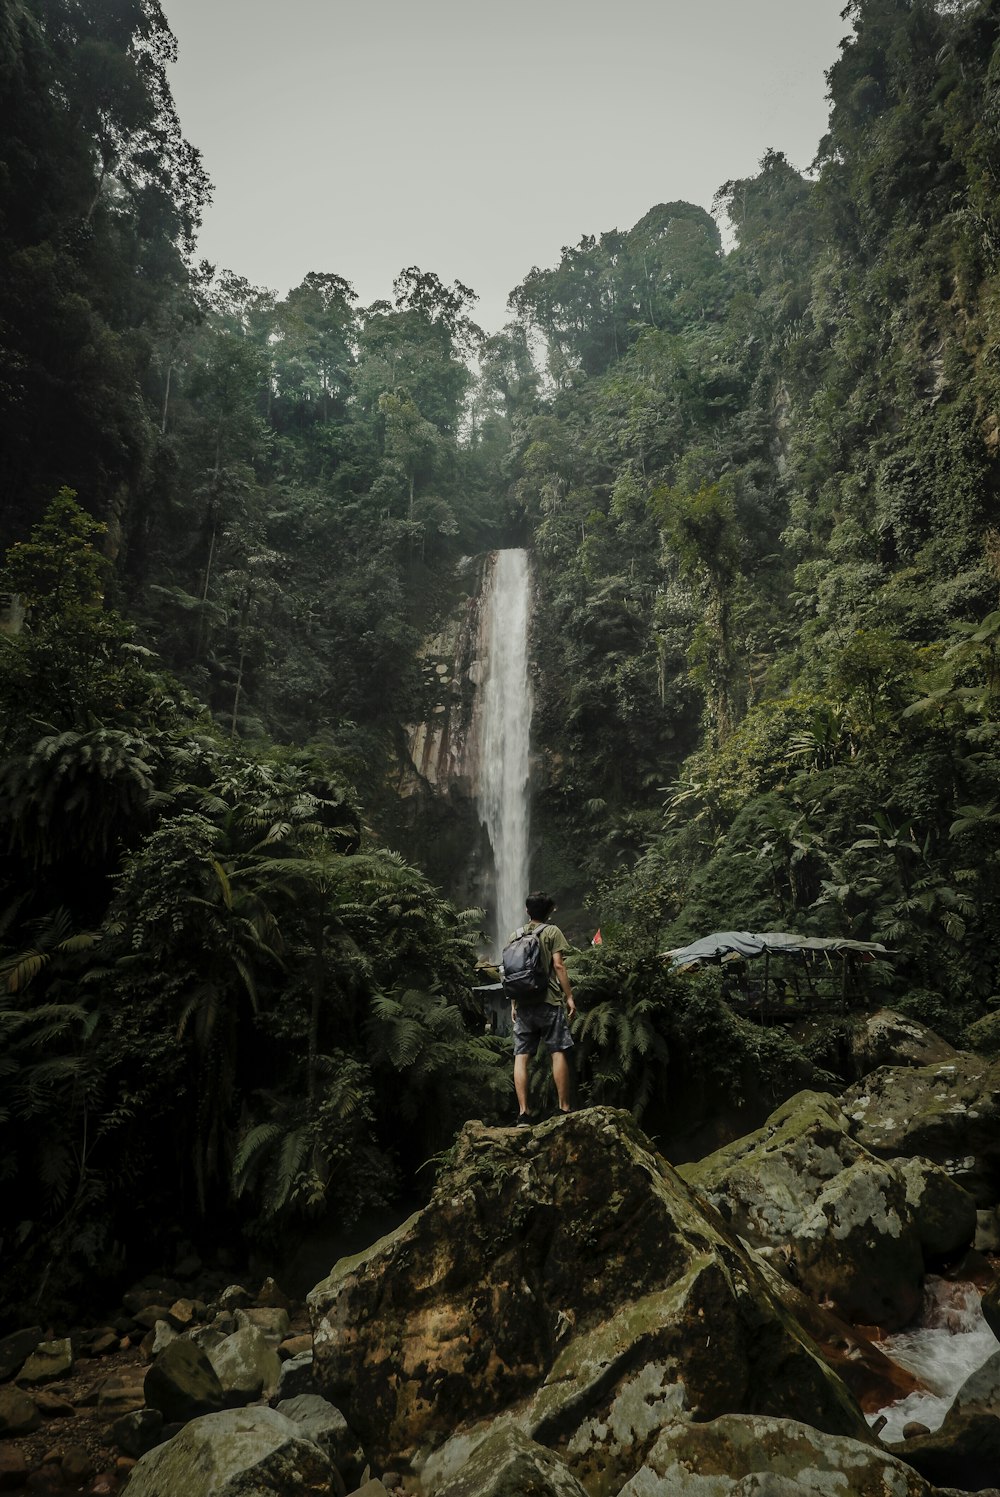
540,1021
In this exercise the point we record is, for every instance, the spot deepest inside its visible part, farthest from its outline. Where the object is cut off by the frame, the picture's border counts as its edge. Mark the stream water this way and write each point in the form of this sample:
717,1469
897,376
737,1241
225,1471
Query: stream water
505,734
949,1343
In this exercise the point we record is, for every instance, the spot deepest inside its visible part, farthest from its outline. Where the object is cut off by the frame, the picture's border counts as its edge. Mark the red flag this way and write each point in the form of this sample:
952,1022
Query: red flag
598,940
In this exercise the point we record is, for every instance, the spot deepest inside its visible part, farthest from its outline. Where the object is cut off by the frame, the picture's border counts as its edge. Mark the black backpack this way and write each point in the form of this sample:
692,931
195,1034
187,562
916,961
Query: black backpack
523,967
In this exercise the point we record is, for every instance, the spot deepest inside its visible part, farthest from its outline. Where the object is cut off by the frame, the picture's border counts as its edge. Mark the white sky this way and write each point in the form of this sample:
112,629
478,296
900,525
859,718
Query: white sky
474,139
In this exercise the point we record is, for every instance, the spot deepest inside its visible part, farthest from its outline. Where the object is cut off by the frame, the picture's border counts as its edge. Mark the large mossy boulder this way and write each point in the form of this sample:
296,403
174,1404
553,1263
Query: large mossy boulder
568,1277
948,1113
238,1453
861,1230
887,1038
737,1456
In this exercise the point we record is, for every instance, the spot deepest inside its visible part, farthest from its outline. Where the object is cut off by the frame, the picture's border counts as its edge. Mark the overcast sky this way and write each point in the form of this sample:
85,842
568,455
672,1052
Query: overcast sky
474,139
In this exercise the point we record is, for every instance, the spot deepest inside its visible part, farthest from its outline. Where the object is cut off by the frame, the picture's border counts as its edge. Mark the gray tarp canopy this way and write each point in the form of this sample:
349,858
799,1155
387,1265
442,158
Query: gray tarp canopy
747,943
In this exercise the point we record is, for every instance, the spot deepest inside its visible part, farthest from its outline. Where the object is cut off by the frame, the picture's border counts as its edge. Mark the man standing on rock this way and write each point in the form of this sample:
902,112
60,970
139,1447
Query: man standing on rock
546,1017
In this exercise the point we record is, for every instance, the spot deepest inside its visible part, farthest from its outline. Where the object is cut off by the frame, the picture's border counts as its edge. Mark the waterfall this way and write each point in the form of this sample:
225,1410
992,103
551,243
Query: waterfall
504,711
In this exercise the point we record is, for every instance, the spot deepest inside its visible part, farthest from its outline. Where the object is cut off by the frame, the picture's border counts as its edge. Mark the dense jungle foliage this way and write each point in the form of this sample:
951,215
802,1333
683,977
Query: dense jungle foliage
760,486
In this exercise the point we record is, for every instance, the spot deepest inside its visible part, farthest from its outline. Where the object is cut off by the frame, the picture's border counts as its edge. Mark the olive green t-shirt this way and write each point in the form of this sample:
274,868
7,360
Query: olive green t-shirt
551,940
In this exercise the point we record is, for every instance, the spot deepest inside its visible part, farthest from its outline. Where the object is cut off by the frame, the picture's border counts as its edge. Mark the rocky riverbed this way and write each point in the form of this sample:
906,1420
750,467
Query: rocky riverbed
570,1315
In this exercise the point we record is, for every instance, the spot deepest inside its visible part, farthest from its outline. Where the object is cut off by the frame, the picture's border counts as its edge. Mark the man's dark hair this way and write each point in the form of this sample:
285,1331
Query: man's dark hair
539,905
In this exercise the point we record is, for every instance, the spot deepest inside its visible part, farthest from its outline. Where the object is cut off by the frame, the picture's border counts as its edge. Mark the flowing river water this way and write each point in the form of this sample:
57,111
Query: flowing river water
950,1342
505,734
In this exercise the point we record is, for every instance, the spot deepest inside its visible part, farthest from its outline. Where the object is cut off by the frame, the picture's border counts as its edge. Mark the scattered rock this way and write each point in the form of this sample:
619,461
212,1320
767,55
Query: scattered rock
965,1451
296,1376
913,1429
886,1038
988,1231
13,1468
102,1343
984,1036
123,1390
273,1324
507,1464
234,1298
19,1414
320,1421
239,1453
944,1214
181,1314
15,1350
295,1345
803,1183
772,1457
270,1296
150,1317
137,1432
163,1335
246,1365
182,1383
948,1113
77,1466
50,1361
53,1405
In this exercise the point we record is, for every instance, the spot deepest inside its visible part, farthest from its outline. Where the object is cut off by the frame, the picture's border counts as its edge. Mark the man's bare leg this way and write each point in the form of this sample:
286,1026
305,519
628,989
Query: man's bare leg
561,1076
521,1063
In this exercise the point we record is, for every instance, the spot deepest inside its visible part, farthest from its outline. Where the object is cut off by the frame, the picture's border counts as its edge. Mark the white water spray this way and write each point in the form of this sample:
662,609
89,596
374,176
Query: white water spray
950,1343
505,734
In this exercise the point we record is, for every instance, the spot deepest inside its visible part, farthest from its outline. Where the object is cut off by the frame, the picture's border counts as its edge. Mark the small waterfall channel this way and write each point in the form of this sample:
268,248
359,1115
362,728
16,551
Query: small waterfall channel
950,1342
504,734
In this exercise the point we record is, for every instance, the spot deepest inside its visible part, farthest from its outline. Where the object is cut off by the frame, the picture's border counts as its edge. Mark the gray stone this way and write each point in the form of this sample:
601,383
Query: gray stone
944,1214
981,1388
137,1432
296,1377
163,1334
234,1298
246,1366
854,1223
965,1450
182,1383
16,1348
18,1413
987,1239
947,1113
507,1464
238,1453
271,1321
739,1455
886,1038
320,1421
50,1361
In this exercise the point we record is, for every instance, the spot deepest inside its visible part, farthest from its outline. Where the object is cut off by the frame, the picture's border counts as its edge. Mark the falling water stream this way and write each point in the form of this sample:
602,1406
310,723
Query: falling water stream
949,1343
505,732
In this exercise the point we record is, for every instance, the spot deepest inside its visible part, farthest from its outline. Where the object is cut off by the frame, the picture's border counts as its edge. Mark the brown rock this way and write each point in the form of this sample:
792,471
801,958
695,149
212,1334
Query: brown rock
271,1296
77,1466
913,1429
294,1345
104,1343
181,1314
122,1391
48,1478
53,1405
18,1413
13,1468
104,1485
148,1316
